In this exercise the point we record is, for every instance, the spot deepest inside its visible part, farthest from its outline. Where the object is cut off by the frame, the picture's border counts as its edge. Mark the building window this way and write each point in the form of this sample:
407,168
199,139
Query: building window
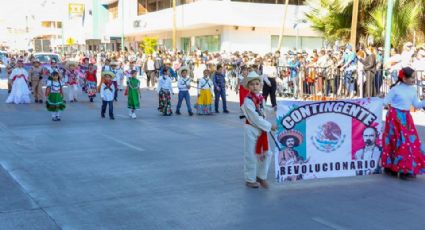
209,42
164,4
291,2
113,10
290,42
142,7
51,24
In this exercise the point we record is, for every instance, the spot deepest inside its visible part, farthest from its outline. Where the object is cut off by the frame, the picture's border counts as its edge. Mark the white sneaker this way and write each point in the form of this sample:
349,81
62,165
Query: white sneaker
133,116
130,114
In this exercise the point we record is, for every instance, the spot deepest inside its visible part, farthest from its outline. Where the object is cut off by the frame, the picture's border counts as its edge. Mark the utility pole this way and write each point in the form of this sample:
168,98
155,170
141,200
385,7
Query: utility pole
283,25
174,26
122,25
388,27
354,19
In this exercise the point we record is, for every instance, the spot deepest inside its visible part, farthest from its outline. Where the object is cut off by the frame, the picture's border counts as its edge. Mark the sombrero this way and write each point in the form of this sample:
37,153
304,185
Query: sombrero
110,73
251,76
182,69
69,63
297,135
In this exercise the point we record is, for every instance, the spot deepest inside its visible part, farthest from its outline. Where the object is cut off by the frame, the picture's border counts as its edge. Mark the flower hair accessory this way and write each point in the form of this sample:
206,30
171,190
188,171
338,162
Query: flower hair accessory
401,75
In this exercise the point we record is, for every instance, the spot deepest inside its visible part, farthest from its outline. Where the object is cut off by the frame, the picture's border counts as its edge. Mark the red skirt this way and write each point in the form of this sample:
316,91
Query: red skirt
402,150
242,94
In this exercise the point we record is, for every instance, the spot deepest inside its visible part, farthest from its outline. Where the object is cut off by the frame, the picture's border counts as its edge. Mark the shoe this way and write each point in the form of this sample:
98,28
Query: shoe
91,99
263,183
133,116
130,114
226,111
178,112
54,119
36,101
102,115
40,101
190,113
112,118
252,184
58,118
75,100
217,111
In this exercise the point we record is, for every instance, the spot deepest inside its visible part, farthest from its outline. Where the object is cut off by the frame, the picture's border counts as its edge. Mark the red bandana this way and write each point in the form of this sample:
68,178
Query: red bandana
262,144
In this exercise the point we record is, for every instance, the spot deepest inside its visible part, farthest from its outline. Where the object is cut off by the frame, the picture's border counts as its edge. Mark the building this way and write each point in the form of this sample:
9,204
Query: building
211,25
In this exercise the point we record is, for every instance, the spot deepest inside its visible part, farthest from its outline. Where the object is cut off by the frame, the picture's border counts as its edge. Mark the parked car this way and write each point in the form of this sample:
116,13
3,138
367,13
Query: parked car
47,57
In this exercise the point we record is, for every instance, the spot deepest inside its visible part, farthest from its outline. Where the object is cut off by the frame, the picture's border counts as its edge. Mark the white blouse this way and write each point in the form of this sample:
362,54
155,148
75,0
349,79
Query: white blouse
403,96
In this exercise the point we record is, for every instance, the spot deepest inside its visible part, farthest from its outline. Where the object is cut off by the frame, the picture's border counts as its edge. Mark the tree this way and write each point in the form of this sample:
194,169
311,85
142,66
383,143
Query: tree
333,19
149,45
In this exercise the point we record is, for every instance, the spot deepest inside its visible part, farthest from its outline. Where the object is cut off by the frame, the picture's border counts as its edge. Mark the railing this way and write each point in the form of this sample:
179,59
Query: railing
317,83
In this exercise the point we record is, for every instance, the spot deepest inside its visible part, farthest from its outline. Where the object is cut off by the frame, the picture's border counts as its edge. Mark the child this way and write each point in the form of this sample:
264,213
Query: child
72,77
133,92
107,93
205,90
91,82
184,85
54,95
256,154
165,90
402,152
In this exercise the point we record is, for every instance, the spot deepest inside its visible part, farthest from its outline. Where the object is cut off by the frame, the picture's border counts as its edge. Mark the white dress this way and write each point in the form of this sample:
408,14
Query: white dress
20,93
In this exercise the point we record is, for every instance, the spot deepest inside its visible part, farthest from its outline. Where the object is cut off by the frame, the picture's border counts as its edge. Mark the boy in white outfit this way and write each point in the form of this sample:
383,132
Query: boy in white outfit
256,150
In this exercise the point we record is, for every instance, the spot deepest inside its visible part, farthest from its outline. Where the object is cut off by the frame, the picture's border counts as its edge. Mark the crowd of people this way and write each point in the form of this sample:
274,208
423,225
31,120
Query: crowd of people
327,73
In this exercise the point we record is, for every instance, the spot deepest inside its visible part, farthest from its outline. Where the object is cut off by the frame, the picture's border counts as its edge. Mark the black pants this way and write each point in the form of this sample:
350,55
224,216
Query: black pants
270,90
111,108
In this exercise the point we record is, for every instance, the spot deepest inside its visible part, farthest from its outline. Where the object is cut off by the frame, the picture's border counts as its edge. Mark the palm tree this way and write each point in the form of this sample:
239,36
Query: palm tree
333,19
406,19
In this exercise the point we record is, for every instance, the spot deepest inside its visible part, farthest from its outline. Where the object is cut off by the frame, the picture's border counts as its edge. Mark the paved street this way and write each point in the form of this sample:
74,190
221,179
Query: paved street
176,172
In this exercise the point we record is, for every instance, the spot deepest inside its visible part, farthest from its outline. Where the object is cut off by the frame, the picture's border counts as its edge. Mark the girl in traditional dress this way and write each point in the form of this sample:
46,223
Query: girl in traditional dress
241,89
165,90
20,93
133,93
205,90
72,75
91,82
402,152
54,95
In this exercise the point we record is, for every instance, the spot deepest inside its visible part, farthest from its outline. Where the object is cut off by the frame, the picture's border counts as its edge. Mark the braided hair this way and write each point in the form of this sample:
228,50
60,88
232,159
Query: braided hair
406,72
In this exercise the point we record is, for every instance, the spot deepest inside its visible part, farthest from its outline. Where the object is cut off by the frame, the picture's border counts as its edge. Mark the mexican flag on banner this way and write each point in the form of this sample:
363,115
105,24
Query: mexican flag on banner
328,138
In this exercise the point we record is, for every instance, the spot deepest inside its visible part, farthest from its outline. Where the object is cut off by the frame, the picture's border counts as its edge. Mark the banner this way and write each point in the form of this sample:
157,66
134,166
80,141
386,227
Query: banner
328,138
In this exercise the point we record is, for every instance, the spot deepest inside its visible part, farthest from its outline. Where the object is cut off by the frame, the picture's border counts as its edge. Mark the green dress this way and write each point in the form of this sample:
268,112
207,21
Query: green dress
133,93
54,101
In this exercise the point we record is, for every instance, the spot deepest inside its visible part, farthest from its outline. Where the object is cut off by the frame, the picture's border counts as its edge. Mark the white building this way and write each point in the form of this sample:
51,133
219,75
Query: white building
211,25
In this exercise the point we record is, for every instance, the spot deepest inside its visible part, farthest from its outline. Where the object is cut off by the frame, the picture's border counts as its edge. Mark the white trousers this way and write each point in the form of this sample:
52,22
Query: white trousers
55,114
72,92
253,166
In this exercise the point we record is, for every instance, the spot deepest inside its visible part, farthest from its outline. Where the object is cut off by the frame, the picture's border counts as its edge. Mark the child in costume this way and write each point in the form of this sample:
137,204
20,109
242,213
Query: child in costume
204,103
256,151
165,90
133,93
54,95
91,82
184,85
72,76
107,93
19,94
402,152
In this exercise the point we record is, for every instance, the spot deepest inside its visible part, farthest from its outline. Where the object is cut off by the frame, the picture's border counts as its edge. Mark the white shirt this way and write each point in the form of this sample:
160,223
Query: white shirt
270,71
368,153
107,94
183,83
17,72
164,83
403,96
205,83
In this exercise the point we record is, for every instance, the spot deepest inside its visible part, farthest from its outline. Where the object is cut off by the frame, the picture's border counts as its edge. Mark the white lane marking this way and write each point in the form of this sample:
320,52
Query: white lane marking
328,224
124,143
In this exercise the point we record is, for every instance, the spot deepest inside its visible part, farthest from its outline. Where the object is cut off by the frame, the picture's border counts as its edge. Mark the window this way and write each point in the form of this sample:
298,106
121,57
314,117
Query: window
142,7
113,10
209,42
291,2
164,4
290,42
51,24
